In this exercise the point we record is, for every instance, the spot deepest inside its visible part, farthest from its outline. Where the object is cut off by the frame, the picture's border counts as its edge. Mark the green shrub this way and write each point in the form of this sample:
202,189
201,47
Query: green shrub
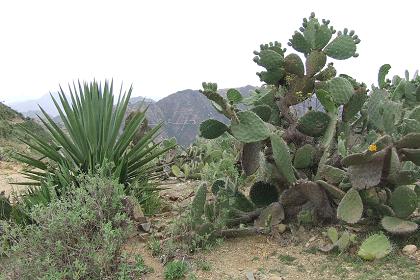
175,270
78,236
93,136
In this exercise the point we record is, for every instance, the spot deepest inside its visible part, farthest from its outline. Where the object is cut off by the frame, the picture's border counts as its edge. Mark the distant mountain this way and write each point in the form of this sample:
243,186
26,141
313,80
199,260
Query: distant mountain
181,112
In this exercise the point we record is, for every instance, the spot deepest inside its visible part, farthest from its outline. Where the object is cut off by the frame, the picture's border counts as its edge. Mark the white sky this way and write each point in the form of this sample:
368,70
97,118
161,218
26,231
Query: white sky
166,46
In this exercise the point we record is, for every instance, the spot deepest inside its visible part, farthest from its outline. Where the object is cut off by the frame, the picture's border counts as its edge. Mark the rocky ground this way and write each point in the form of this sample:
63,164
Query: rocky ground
291,255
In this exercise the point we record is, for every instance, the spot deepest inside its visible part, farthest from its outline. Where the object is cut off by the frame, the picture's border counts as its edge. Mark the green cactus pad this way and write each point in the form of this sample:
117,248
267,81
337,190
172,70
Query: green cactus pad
375,247
197,205
234,95
331,189
217,185
341,90
410,126
354,106
294,65
262,111
209,212
332,234
323,35
304,156
315,61
354,159
282,158
272,77
343,242
370,197
263,194
250,157
368,173
350,208
415,113
412,155
326,74
332,174
403,201
242,203
269,59
325,98
383,71
299,43
211,129
250,128
342,47
313,123
398,226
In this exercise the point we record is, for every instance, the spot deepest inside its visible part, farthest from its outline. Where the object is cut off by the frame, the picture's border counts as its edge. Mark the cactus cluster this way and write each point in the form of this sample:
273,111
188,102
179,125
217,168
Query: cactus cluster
354,155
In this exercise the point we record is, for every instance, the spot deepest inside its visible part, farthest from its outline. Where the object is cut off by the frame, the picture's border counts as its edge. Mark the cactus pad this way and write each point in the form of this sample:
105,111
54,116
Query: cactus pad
294,65
250,158
234,95
313,123
315,61
403,201
412,155
304,156
341,90
375,247
326,74
350,208
282,158
211,129
250,128
217,185
262,111
383,71
398,226
299,43
332,174
331,189
263,194
242,203
197,205
342,47
270,216
354,106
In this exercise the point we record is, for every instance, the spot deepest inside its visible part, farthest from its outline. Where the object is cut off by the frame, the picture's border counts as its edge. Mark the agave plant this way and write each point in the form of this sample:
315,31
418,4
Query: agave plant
93,139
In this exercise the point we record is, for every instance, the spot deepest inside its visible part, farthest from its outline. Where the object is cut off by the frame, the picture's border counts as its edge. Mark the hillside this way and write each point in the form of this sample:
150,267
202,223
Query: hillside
12,127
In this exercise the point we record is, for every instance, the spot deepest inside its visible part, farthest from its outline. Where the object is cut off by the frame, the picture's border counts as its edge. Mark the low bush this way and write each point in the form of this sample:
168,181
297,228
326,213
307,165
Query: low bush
78,236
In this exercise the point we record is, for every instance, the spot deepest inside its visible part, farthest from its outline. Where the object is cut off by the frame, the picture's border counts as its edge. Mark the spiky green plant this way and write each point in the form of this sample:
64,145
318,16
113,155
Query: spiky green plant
92,138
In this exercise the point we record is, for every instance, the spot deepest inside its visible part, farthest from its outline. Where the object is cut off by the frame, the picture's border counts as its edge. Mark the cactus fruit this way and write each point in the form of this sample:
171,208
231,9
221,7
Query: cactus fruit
398,226
294,65
350,208
313,123
250,128
282,158
342,47
304,156
263,194
234,96
211,129
403,201
315,61
375,247
341,90
332,174
250,157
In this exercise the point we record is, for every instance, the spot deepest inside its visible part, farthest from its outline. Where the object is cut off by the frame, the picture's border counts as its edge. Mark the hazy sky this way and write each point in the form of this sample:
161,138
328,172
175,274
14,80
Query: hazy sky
165,46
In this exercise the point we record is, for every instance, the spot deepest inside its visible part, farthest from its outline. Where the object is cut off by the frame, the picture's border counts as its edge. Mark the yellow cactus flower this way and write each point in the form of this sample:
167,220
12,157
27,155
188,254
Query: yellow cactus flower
372,148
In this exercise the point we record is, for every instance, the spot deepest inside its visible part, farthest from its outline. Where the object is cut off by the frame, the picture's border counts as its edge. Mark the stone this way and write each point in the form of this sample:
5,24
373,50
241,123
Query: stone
281,228
409,249
133,209
250,275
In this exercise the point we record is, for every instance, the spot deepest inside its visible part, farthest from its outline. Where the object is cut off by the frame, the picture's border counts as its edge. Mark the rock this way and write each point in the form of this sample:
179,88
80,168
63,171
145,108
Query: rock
250,275
409,249
281,228
272,215
145,227
275,277
133,209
